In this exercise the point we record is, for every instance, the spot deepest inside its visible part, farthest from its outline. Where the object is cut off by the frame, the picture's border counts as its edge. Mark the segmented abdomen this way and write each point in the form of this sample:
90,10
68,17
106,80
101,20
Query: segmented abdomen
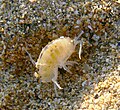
56,51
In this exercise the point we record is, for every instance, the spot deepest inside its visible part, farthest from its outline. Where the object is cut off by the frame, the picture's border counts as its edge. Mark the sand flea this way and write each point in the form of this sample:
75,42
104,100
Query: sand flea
53,56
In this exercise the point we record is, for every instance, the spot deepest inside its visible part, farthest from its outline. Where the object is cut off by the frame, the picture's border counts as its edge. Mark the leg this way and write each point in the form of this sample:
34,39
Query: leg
55,81
55,90
55,78
67,69
80,50
33,62
77,41
69,63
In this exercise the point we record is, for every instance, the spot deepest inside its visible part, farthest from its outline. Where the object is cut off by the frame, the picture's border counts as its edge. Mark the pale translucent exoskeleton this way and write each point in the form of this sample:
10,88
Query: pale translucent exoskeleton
54,56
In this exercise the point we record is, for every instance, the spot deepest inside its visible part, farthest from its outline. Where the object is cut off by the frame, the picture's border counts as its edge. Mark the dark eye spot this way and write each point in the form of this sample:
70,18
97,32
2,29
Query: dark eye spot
96,96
